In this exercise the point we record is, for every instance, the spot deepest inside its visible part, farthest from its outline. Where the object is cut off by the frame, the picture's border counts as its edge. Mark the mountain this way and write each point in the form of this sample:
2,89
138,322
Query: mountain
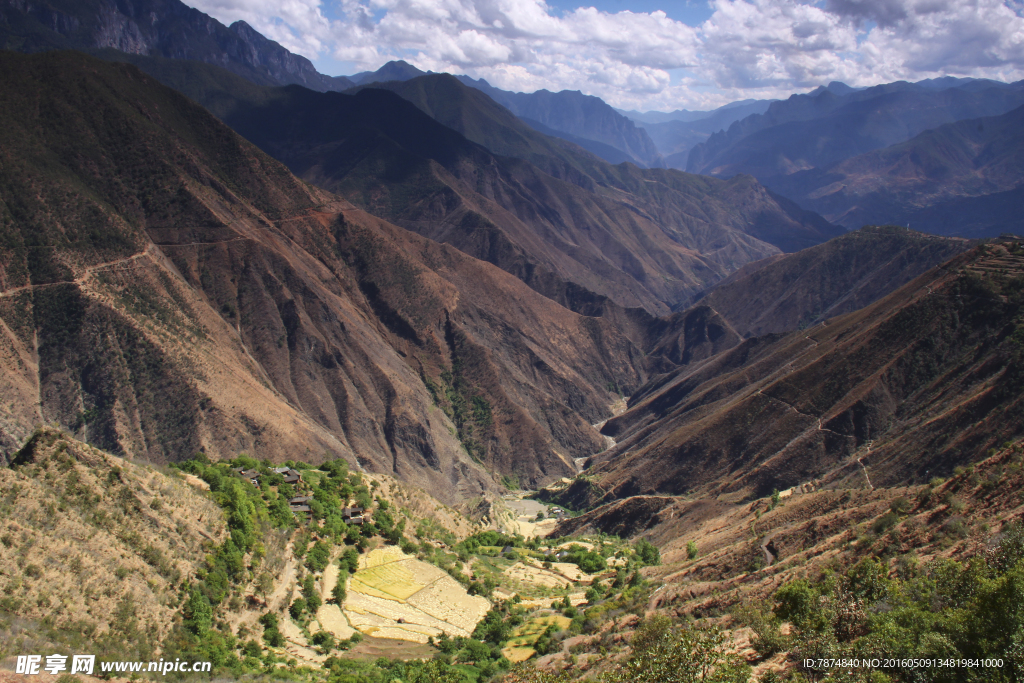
796,291
642,117
982,216
676,133
153,253
953,163
158,28
572,113
582,119
574,228
925,379
398,70
823,128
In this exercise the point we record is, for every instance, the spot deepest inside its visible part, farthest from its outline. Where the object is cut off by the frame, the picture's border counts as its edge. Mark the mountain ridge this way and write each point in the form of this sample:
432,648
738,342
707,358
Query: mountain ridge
800,132
166,28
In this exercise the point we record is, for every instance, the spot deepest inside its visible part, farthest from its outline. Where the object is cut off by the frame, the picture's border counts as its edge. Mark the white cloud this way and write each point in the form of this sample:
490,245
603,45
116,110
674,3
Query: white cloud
748,48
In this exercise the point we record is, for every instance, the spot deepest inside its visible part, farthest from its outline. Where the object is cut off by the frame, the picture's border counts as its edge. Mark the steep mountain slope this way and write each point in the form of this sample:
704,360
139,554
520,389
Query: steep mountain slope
153,253
842,275
823,128
575,229
983,216
969,158
165,28
926,378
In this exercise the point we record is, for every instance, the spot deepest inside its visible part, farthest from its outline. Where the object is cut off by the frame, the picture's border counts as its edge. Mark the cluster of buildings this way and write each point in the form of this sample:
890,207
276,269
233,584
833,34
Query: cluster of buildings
299,505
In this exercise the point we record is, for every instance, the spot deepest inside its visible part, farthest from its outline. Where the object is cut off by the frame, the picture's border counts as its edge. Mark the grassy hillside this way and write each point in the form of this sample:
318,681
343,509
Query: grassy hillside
94,549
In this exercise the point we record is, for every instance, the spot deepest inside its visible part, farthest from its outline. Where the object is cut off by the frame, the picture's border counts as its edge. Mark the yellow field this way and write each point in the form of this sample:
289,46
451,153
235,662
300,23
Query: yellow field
518,654
394,595
393,580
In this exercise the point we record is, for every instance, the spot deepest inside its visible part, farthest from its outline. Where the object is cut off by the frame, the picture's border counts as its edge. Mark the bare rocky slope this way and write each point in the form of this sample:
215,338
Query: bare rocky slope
169,288
574,228
785,293
924,379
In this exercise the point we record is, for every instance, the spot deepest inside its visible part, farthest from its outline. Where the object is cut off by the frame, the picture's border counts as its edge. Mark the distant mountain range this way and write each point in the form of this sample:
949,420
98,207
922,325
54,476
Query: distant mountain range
676,133
581,119
832,124
171,29
572,113
974,160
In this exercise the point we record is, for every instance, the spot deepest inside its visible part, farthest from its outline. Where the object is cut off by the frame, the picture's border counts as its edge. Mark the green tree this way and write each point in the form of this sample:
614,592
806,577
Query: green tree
350,560
198,615
338,592
647,552
318,557
663,653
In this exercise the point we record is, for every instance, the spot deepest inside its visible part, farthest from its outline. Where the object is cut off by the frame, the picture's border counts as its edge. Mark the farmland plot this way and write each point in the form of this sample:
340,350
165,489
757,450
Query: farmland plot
394,595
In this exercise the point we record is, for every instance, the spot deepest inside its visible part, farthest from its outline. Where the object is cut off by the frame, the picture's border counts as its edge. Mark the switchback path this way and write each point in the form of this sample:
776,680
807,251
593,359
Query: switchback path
83,277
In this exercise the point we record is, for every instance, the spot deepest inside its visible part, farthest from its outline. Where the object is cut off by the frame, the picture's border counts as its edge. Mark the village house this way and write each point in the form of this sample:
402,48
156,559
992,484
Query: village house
291,476
353,515
252,476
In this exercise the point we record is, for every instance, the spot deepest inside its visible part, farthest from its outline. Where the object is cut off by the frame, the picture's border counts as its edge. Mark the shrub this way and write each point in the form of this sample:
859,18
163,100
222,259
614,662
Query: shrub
885,522
663,653
691,550
900,506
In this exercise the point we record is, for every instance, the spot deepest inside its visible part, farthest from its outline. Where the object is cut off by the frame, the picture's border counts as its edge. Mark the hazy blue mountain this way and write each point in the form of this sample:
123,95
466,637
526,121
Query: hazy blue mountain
740,107
675,138
958,179
579,115
834,123
156,28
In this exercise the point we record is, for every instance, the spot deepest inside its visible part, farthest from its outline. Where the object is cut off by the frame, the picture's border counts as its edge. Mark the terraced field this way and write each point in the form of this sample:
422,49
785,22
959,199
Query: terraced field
394,595
520,646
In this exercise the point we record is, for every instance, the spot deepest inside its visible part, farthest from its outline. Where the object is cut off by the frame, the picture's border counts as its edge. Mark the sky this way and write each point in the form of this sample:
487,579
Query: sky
651,54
